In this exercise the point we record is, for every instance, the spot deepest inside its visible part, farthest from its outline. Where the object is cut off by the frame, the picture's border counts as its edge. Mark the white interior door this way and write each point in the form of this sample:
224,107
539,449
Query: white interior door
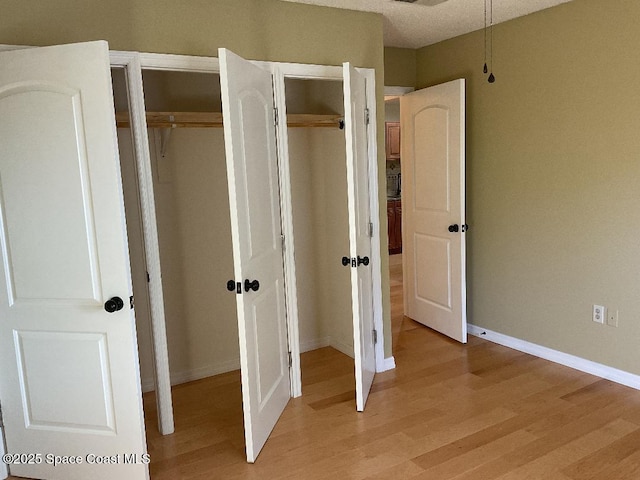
355,106
252,170
433,207
69,383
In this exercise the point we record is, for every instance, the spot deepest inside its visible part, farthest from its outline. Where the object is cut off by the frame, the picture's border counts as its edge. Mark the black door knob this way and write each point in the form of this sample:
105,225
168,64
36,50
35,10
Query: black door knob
346,261
363,261
454,228
113,304
231,285
255,285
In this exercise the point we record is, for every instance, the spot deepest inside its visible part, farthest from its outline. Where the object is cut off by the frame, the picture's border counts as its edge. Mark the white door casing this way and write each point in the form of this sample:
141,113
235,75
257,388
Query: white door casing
70,383
359,231
130,61
433,207
252,172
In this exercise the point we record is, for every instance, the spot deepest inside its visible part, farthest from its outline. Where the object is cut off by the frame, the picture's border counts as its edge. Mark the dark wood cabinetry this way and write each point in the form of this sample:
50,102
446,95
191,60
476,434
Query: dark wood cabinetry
392,140
394,228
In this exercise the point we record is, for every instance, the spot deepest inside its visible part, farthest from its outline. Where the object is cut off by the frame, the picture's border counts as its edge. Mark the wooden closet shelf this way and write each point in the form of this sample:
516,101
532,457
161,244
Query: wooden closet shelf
214,120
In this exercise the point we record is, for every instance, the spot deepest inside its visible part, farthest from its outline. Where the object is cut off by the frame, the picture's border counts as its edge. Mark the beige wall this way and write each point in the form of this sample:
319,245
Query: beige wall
194,234
400,67
255,29
194,230
553,170
319,188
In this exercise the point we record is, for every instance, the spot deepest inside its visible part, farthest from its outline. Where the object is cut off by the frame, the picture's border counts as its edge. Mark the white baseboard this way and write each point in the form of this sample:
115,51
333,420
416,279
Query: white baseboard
388,364
587,366
314,344
341,347
185,376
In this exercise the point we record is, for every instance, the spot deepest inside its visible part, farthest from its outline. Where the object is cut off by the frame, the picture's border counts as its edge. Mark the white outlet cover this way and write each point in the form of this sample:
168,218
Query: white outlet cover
599,314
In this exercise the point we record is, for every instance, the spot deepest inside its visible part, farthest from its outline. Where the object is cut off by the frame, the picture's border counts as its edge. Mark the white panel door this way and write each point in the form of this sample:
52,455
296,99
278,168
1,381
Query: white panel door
355,108
433,207
69,383
254,196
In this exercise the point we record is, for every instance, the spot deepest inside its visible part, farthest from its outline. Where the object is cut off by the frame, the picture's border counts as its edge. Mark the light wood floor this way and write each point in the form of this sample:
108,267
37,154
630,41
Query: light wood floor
448,411
477,411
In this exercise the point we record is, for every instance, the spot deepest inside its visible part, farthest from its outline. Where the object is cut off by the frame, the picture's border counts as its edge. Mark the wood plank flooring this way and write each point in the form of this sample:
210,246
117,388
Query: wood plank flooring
448,411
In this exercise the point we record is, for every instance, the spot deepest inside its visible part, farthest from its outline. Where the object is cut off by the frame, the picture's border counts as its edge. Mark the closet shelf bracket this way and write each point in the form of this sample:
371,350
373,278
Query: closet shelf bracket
165,136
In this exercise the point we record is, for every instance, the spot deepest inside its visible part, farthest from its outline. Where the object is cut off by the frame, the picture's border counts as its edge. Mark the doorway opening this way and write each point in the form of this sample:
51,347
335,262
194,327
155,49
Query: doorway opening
194,237
317,158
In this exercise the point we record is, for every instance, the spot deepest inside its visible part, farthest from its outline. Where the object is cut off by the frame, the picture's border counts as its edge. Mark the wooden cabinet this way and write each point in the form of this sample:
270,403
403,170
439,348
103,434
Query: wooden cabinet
394,226
392,140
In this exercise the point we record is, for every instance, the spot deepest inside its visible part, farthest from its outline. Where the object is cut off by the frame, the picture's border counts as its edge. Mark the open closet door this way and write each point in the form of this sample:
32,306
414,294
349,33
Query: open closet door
355,110
69,383
254,197
433,207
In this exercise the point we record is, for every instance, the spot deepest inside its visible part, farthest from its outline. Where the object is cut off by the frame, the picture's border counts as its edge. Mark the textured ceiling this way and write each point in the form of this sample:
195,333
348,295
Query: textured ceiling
415,25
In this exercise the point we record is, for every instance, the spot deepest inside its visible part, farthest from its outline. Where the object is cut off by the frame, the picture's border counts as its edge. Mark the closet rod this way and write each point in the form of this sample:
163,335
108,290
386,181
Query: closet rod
214,120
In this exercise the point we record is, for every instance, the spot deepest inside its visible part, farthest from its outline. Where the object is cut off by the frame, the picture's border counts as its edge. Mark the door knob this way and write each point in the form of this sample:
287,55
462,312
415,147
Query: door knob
255,285
346,261
364,261
454,228
113,304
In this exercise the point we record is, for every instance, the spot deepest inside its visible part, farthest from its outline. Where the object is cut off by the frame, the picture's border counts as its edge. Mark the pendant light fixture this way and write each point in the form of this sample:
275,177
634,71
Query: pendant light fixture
488,39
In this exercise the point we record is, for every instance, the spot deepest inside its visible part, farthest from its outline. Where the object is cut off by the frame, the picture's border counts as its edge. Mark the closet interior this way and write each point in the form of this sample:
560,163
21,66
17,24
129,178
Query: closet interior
320,218
187,151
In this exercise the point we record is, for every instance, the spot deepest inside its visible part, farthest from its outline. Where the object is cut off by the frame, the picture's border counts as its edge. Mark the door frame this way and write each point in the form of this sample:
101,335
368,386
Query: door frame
130,62
133,63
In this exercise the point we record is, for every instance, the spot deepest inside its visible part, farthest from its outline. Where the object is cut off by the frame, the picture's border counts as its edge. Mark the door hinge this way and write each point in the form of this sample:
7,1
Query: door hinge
283,243
148,278
375,336
131,302
366,116
275,116
290,360
370,229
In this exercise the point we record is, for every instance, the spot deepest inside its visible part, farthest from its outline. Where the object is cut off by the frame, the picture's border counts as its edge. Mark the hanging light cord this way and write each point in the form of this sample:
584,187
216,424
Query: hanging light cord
488,69
492,77
485,68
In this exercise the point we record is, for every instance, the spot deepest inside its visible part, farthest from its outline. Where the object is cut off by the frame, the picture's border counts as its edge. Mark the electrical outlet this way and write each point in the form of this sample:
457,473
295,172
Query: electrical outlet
612,318
599,314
